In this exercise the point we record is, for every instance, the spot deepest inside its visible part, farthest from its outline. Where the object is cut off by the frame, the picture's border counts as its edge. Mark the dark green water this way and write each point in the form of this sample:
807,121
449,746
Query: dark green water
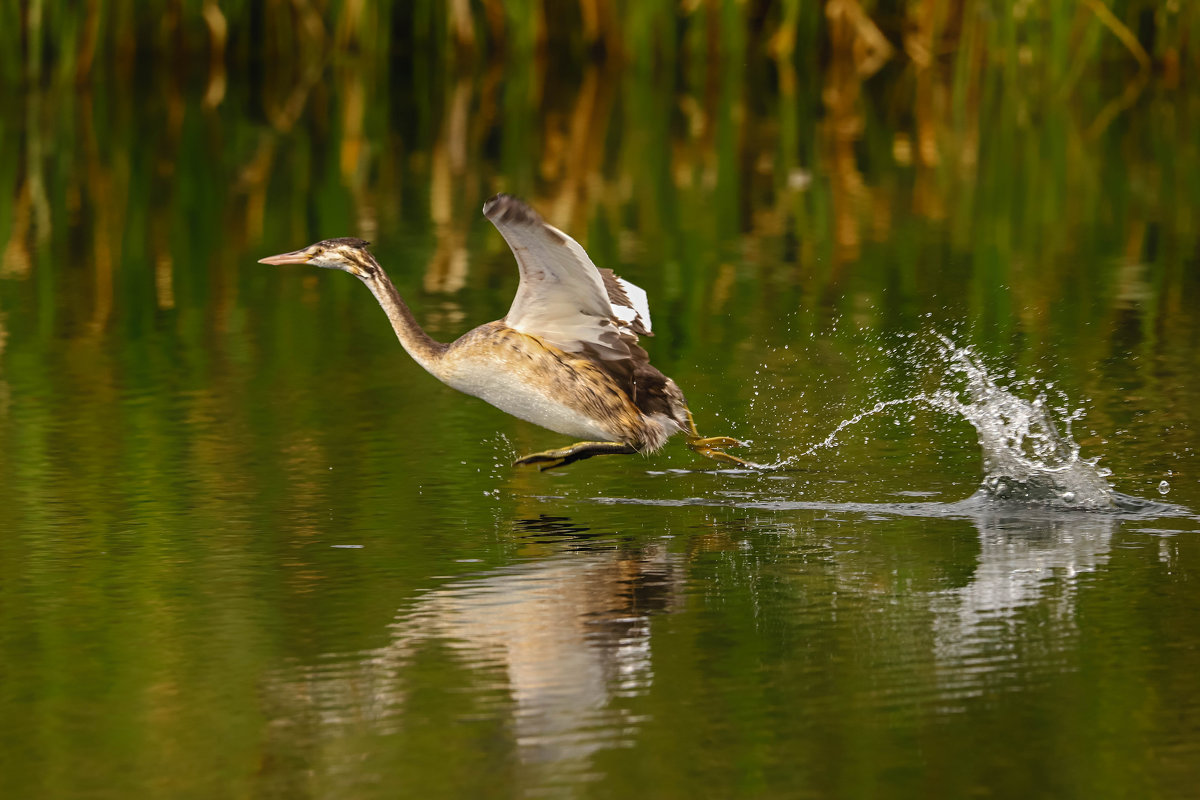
249,549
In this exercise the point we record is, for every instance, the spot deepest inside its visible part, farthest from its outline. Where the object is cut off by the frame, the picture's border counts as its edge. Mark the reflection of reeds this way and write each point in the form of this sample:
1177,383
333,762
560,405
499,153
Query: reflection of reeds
953,53
682,137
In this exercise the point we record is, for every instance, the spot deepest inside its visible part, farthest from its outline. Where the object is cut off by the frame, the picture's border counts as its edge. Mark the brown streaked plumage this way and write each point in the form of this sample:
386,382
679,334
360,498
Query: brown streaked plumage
566,356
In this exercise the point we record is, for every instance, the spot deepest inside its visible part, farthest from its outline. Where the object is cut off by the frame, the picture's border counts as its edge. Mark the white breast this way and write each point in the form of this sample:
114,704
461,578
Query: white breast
516,394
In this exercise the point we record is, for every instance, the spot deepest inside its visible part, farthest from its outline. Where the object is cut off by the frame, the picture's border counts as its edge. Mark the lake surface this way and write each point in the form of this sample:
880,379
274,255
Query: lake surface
249,548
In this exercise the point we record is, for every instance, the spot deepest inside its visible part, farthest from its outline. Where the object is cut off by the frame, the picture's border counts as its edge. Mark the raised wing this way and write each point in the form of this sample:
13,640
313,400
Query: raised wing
563,297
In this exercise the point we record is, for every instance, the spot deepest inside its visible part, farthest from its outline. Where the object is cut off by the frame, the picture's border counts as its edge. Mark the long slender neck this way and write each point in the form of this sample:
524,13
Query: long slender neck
424,350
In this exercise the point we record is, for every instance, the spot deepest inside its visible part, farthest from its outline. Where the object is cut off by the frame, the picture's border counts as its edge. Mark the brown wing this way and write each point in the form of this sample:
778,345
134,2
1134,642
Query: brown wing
563,298
567,301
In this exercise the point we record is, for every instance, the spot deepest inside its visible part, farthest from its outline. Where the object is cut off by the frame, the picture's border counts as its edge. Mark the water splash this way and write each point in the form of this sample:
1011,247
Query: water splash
831,441
1029,455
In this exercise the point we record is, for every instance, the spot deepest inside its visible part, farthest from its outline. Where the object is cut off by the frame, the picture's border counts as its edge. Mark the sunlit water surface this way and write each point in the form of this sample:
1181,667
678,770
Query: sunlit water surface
250,549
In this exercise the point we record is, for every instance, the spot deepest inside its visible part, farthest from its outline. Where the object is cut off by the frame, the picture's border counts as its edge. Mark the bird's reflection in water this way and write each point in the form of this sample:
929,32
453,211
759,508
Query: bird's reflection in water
1026,567
566,634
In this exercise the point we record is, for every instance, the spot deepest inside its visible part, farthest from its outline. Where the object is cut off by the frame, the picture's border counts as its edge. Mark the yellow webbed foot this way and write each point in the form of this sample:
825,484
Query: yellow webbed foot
707,448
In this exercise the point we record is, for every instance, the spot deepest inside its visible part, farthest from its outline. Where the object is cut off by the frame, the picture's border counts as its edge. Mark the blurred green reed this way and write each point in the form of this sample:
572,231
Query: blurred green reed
858,158
66,39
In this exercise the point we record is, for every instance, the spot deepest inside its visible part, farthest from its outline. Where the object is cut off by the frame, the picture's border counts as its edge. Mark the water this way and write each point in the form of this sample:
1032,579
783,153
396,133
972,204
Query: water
247,548
1029,455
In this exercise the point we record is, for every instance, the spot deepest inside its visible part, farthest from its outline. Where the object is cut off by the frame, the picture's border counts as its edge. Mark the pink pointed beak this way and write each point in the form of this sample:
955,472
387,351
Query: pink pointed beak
294,257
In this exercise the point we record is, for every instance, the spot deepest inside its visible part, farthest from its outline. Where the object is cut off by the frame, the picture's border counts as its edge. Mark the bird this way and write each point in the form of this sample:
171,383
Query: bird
565,356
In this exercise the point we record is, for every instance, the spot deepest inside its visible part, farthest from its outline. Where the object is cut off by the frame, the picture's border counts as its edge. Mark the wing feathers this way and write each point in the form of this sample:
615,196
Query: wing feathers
563,297
629,302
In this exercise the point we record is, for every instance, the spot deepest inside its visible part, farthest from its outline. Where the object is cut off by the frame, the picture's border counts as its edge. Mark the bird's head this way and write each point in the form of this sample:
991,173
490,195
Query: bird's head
347,254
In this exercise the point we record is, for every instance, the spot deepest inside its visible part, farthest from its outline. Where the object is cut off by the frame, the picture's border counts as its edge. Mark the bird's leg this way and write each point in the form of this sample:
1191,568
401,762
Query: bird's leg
709,446
719,455
549,459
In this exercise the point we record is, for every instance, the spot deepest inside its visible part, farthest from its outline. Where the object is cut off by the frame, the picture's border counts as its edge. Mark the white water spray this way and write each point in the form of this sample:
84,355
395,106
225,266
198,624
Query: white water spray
1029,456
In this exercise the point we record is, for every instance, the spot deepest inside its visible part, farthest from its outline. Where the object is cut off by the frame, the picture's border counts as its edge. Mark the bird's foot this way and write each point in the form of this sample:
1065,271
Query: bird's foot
550,459
709,447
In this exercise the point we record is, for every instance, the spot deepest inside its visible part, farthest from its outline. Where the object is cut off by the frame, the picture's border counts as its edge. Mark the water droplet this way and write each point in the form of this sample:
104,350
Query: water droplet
1163,487
1068,497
